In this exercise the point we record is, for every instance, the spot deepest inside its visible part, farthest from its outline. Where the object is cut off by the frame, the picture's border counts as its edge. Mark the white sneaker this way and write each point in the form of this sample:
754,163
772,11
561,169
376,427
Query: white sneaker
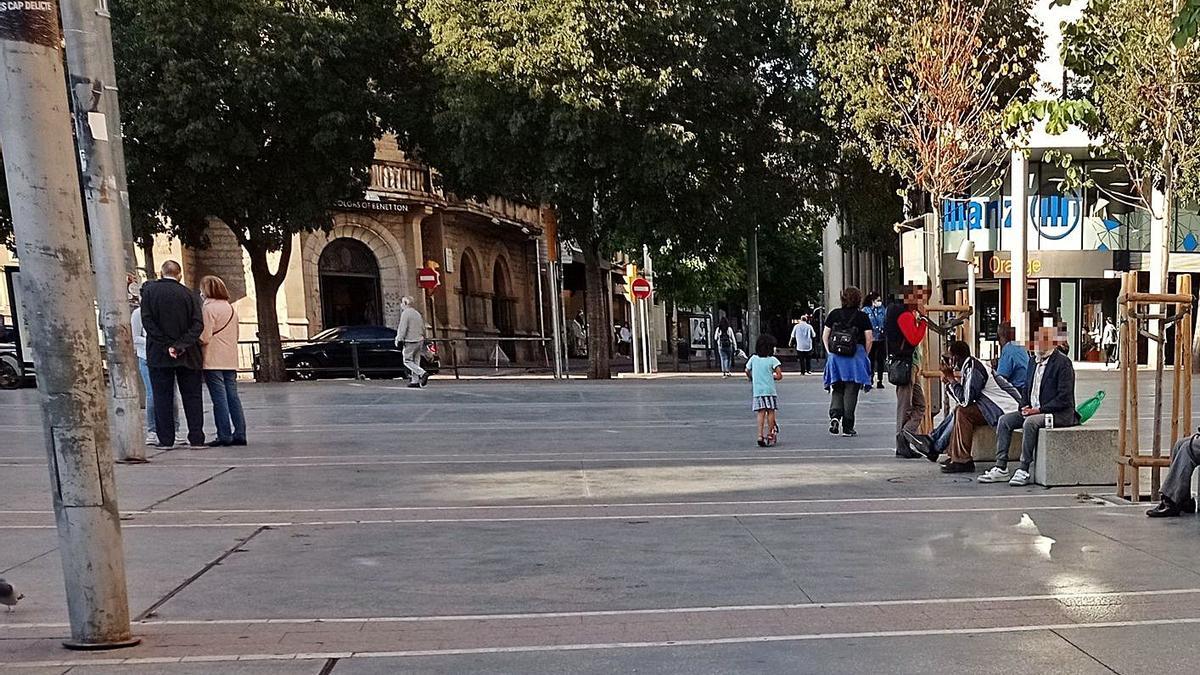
152,440
994,475
835,426
1021,477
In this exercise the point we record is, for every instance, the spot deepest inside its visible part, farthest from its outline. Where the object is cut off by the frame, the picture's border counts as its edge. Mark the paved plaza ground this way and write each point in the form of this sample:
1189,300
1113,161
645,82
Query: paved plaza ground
516,526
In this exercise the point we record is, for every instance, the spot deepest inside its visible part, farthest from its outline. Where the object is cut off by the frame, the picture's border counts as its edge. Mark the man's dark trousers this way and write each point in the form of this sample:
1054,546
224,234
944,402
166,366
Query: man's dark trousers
163,380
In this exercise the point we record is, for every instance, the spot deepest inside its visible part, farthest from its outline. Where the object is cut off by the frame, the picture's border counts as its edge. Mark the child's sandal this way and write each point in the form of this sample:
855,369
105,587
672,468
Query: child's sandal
762,442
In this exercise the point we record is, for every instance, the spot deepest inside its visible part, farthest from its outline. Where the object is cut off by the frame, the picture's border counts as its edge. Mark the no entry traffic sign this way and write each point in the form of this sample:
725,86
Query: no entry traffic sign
641,288
427,278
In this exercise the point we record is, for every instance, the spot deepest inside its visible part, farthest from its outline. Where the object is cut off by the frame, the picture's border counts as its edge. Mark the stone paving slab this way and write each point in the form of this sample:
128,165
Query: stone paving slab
594,496
816,624
1041,652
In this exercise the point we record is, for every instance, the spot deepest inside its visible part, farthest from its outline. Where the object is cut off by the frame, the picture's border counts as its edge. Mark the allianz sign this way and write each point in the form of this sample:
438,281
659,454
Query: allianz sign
1054,216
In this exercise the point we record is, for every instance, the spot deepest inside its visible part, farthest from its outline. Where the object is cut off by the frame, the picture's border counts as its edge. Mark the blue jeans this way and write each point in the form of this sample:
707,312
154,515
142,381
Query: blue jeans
150,426
726,360
1030,430
227,405
943,432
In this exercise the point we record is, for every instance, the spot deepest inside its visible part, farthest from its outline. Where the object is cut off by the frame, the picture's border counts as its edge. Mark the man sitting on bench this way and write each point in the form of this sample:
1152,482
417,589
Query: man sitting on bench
1049,390
982,397
1177,488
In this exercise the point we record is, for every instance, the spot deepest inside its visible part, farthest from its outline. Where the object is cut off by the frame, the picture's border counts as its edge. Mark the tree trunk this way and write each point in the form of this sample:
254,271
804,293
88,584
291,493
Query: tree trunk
598,355
753,311
266,288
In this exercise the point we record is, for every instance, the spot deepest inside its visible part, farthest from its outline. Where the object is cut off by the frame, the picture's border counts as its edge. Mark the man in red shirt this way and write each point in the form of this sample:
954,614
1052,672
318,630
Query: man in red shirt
905,327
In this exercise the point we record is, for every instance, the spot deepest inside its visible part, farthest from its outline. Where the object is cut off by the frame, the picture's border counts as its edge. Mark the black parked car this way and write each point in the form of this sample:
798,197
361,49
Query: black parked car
330,353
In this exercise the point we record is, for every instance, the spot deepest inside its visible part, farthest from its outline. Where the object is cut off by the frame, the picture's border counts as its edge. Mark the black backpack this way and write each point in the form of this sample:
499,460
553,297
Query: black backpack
843,338
724,341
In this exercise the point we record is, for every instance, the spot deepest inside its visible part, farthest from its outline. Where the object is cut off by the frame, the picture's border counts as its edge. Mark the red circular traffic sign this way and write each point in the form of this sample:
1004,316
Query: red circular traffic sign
427,278
641,288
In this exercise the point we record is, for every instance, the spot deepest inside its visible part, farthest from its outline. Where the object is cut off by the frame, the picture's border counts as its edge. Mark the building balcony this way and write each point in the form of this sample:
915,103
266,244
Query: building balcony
414,181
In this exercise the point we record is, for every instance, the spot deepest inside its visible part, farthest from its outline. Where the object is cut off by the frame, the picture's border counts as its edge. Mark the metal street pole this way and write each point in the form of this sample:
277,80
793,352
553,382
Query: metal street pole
753,309
635,327
56,284
101,157
651,343
550,231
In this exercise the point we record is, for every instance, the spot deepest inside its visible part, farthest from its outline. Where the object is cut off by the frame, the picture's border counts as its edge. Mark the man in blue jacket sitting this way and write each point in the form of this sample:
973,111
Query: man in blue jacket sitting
1049,390
1014,357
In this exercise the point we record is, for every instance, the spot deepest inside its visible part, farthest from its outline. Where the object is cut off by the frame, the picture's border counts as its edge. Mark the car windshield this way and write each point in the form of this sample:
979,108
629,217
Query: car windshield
325,335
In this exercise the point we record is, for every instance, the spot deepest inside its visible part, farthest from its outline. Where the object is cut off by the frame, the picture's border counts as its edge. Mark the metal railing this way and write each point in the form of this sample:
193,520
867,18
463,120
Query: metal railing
498,358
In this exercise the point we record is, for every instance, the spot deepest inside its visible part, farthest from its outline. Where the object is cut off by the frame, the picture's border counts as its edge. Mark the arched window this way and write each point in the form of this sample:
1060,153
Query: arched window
350,289
474,301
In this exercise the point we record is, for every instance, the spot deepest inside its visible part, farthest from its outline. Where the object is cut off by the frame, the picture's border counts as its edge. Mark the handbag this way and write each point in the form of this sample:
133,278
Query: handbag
900,371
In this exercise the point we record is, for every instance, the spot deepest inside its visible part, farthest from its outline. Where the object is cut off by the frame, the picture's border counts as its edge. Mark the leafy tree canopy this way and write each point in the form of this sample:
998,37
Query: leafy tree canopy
1134,91
261,113
918,87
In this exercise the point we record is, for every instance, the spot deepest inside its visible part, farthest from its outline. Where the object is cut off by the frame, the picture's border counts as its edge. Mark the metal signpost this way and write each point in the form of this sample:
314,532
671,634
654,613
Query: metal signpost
43,184
101,157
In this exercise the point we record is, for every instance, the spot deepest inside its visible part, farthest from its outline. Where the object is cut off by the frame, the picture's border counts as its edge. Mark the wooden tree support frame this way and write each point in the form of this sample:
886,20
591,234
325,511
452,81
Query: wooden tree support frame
1135,312
958,327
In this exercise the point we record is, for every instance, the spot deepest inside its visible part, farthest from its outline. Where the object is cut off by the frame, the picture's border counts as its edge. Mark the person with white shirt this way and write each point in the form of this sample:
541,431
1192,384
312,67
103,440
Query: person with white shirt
802,339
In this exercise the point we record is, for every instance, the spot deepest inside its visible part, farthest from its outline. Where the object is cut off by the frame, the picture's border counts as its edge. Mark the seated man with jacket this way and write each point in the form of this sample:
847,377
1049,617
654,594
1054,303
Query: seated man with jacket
982,398
1049,390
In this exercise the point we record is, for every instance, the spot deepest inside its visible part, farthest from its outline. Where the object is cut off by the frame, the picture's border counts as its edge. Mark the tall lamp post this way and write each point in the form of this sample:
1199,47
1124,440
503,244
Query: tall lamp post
966,254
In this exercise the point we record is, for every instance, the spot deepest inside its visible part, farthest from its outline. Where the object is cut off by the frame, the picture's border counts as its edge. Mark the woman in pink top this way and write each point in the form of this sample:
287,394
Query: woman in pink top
220,345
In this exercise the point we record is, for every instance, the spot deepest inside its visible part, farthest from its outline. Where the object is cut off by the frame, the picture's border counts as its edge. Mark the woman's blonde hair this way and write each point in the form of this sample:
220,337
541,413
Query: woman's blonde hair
213,287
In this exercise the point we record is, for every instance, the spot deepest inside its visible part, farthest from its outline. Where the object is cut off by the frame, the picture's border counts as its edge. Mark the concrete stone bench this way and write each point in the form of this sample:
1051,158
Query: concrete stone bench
1083,455
983,446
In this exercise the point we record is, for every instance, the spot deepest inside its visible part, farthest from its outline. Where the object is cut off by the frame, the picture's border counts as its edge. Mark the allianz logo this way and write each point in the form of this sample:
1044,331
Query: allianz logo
1054,216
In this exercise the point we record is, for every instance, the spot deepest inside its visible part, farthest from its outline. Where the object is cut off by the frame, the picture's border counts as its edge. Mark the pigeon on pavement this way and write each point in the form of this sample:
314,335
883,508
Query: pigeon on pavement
8,595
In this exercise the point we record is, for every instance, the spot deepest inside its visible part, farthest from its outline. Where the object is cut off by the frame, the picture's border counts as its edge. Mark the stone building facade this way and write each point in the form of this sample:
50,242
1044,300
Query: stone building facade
356,273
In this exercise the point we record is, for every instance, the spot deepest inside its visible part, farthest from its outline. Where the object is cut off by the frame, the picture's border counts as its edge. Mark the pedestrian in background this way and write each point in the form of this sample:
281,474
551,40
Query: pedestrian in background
410,335
802,339
139,347
1014,357
219,341
1109,341
173,319
877,313
848,339
726,346
764,370
905,328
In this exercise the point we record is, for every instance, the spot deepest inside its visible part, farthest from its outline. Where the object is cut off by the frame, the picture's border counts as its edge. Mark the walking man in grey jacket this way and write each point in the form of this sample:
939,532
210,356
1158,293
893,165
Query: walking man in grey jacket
410,335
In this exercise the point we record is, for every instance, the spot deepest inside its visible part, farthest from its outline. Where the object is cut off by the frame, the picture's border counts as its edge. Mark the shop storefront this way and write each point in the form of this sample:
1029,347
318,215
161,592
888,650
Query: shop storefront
1077,245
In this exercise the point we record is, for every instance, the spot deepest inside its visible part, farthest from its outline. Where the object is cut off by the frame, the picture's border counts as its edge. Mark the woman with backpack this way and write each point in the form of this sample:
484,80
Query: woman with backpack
726,346
848,340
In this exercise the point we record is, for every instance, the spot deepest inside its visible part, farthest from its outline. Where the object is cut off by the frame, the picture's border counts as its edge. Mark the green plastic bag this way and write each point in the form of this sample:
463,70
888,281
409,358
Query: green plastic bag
1090,406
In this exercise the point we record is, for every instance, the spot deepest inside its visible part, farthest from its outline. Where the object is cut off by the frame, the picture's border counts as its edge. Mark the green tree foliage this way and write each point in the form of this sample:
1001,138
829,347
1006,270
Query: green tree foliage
681,125
1187,23
558,103
919,88
258,113
1136,94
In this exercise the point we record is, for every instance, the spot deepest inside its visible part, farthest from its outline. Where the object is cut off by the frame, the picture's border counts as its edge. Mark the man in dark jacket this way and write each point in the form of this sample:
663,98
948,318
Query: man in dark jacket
1049,390
173,319
982,398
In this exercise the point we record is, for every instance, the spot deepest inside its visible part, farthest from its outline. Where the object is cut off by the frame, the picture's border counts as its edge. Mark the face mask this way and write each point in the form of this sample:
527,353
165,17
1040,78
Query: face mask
878,303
